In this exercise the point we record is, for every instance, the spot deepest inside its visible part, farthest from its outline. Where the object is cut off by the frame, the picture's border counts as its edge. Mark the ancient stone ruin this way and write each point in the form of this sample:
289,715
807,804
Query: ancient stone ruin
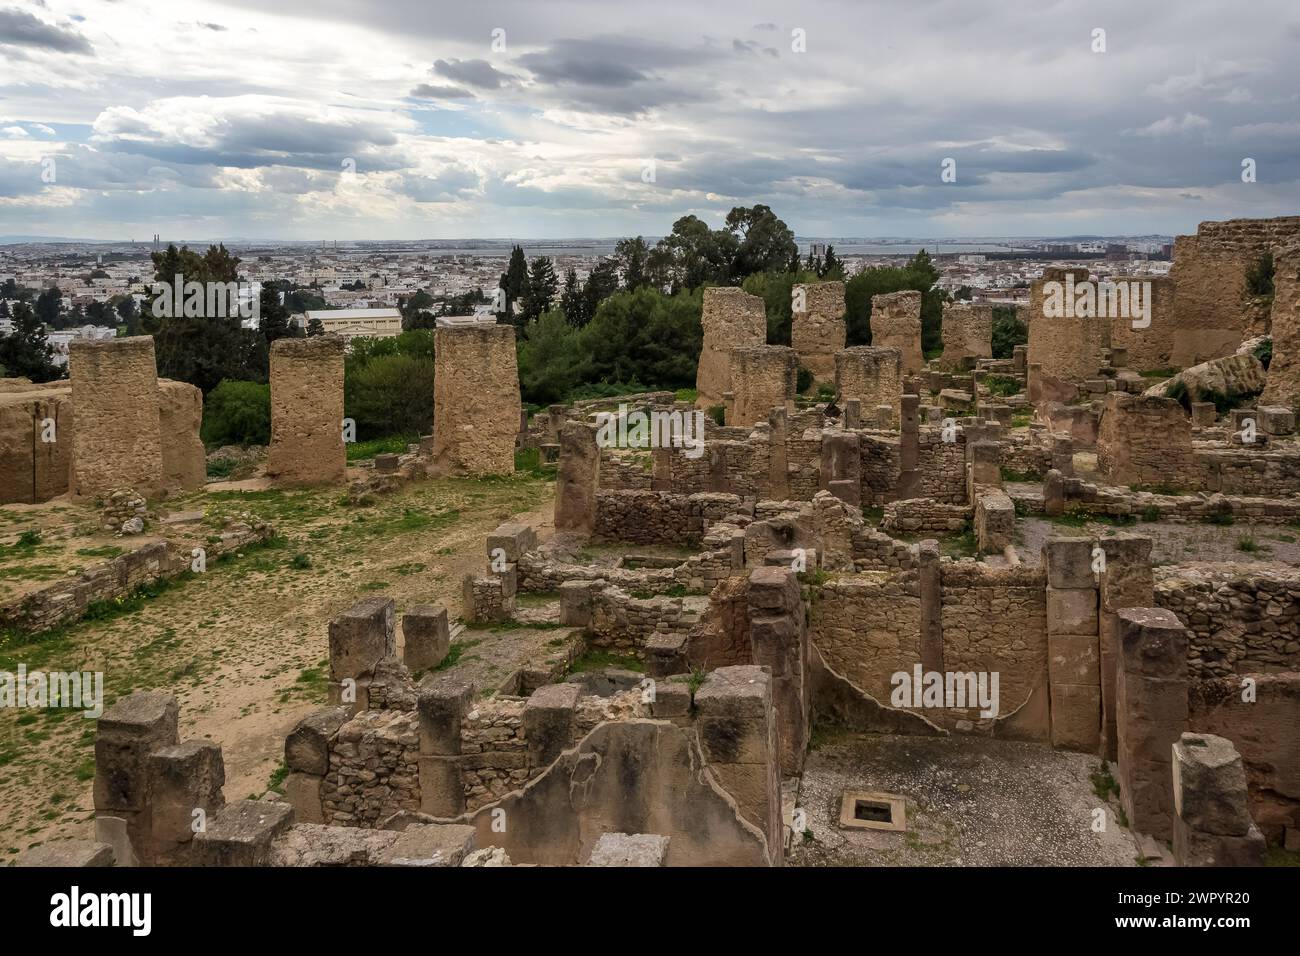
307,411
475,400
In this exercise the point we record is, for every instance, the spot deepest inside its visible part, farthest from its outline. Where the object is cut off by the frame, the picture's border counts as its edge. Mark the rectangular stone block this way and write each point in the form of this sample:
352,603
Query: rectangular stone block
549,722
1071,610
127,732
360,637
307,412
117,441
426,635
241,834
1076,717
182,779
442,791
512,540
442,703
303,792
307,748
1073,659
1069,562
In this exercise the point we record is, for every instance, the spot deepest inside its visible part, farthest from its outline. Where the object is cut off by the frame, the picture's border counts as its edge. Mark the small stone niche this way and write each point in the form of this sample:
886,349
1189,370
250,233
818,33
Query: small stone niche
869,810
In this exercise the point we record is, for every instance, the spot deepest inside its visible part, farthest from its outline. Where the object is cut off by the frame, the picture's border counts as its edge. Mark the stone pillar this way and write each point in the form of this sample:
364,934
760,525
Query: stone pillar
818,331
1062,447
180,415
852,413
442,704
1151,714
360,638
1126,581
117,442
909,448
1073,656
1145,440
1212,822
778,475
1019,356
762,378
841,466
1283,386
127,733
182,779
577,479
896,322
731,318
872,375
983,466
475,400
930,575
779,640
307,755
550,724
967,335
307,412
738,735
1053,493
426,637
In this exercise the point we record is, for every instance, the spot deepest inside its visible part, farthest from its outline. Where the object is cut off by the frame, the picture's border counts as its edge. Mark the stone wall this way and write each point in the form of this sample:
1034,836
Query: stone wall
1067,351
1152,346
762,378
872,375
1145,441
307,412
117,442
31,469
818,331
1241,618
475,400
180,415
967,335
1283,386
731,319
1213,310
867,627
896,323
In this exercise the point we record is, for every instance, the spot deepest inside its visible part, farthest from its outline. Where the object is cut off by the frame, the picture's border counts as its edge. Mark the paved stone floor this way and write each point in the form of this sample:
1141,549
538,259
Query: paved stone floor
971,801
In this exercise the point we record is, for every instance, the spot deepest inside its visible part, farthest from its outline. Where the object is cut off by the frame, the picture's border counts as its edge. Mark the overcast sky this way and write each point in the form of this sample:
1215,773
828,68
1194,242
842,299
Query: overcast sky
371,119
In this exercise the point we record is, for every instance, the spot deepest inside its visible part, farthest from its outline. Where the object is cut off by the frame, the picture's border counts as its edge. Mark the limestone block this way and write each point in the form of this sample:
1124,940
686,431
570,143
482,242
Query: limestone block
1210,785
306,749
442,704
241,834
126,733
549,722
360,637
73,853
307,412
426,635
628,849
117,442
182,779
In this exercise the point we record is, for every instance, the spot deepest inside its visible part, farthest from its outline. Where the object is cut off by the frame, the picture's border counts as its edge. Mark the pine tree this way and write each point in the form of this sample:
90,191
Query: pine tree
542,288
25,351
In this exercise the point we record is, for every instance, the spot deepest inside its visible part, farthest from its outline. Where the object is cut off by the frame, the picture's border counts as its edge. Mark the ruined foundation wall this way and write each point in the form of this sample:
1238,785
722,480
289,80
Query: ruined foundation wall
967,335
896,323
180,416
1283,386
871,375
475,400
33,470
1151,346
1068,351
868,627
819,331
762,378
1213,310
117,442
731,319
1145,441
307,411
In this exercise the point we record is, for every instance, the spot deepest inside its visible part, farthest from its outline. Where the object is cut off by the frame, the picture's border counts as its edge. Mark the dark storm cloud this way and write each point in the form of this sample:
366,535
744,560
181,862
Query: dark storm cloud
426,91
19,28
477,73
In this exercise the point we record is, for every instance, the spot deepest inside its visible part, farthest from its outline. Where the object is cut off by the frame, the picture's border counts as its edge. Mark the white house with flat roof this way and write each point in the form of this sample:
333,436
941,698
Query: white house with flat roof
358,323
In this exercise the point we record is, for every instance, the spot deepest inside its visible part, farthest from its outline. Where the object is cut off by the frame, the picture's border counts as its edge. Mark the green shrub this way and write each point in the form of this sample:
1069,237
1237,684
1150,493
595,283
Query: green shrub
803,380
237,413
1008,331
390,395
1264,352
1002,385
718,413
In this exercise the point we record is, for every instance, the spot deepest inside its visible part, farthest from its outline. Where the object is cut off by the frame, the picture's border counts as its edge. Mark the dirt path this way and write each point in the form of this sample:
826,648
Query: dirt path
244,646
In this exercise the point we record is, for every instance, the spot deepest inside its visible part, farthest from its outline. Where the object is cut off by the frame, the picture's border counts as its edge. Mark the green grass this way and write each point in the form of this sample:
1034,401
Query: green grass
393,444
1222,519
456,652
1021,421
104,551
1002,385
1160,373
1248,544
1103,782
529,462
599,660
1011,474
873,516
686,395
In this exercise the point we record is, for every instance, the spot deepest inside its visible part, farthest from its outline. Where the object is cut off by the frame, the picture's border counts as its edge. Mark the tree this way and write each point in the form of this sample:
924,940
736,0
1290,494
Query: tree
630,254
776,289
25,351
315,327
274,320
832,268
548,359
693,254
1008,331
543,285
514,282
571,297
600,285
237,413
644,337
49,307
415,311
765,243
920,275
128,314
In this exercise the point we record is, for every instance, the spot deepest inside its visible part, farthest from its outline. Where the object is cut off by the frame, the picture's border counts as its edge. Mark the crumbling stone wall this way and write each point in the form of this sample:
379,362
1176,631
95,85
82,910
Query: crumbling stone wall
1241,618
731,319
373,769
307,411
475,400
868,627
1213,310
967,335
180,414
117,442
31,469
896,323
872,375
762,378
1283,386
1067,351
1150,347
818,331
1145,441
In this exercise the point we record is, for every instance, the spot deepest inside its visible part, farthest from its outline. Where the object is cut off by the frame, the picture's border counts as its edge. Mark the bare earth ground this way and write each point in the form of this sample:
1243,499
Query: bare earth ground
971,801
245,645
1175,542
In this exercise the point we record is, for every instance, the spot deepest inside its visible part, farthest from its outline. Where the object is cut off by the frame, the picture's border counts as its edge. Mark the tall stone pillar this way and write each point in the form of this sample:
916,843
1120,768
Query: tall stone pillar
872,375
578,478
896,322
818,330
117,441
307,412
475,400
1151,714
779,639
909,448
1074,673
1126,581
731,319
